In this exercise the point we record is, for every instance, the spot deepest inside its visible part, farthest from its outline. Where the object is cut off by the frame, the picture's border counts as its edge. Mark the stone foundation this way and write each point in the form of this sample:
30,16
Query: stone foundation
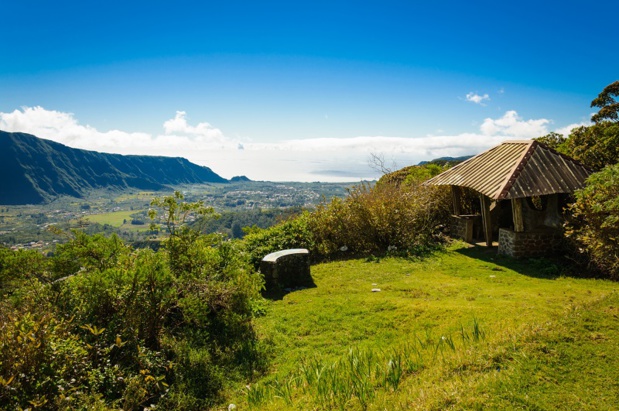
536,243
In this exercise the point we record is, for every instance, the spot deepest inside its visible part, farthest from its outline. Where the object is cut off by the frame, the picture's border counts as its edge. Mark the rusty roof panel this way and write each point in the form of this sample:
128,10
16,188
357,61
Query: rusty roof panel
516,169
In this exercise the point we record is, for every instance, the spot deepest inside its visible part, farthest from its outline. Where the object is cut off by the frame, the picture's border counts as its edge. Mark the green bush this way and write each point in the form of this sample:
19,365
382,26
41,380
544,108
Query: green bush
124,328
595,222
292,233
87,252
20,267
377,219
395,214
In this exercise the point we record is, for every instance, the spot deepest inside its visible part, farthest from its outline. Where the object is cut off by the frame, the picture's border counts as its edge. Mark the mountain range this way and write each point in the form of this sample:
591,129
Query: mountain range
35,170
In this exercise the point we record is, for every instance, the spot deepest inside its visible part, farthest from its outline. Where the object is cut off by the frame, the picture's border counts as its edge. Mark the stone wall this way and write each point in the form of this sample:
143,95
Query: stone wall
462,226
536,243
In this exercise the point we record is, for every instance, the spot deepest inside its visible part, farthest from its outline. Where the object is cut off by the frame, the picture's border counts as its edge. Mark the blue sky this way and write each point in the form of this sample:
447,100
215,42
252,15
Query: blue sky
302,90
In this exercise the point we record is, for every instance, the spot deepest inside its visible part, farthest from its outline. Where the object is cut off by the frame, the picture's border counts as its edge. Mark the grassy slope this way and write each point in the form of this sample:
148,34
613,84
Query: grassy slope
549,341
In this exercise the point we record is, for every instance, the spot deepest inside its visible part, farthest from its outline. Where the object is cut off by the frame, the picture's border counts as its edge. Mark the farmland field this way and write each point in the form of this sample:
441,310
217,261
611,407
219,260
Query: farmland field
115,219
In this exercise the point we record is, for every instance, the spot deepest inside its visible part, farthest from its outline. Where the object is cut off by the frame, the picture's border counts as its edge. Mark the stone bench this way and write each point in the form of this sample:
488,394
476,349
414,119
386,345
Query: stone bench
287,269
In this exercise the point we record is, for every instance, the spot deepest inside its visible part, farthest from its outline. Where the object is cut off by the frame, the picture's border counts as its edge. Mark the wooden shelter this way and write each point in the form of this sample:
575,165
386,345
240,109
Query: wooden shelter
522,185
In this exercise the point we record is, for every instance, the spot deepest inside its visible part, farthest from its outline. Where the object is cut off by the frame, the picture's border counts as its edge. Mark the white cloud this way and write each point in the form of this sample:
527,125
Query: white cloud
203,132
512,125
324,159
477,98
568,129
64,128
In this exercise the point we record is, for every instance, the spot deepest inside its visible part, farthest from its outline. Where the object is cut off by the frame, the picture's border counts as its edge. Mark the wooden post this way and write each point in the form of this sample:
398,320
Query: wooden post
517,215
455,197
485,216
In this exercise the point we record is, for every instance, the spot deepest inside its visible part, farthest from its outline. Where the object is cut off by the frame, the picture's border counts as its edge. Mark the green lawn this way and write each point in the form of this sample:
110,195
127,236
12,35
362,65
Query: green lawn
463,329
117,219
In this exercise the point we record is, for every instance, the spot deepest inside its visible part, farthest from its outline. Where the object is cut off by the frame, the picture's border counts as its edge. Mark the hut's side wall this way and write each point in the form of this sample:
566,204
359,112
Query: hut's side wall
536,243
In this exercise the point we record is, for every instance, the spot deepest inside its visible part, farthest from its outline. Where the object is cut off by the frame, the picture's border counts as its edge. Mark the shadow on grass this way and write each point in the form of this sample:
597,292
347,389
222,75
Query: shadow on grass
543,268
278,293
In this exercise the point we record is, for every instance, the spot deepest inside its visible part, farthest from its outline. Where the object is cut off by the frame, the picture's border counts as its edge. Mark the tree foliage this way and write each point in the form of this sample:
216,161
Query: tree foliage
607,103
177,212
595,146
595,223
552,140
102,326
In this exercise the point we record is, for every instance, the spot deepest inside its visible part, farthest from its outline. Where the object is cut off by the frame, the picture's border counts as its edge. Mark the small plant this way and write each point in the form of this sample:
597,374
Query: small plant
257,394
394,372
283,389
359,374
478,333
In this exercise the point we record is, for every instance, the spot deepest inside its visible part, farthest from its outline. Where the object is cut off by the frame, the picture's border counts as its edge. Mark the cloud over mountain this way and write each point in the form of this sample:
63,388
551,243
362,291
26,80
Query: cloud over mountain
293,159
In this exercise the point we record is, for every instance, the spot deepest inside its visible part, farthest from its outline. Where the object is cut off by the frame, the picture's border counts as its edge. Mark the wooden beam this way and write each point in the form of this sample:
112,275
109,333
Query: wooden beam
485,216
517,214
455,197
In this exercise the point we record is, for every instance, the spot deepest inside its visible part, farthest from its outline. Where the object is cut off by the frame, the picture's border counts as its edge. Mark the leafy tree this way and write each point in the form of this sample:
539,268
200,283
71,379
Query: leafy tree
552,140
606,101
176,215
20,267
88,253
595,222
237,230
176,212
595,146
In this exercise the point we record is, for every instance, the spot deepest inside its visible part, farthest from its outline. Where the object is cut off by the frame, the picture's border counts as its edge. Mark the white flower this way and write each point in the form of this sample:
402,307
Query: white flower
343,248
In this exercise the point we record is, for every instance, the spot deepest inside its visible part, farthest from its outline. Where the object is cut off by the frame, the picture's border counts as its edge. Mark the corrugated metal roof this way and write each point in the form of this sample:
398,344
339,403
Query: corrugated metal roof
516,169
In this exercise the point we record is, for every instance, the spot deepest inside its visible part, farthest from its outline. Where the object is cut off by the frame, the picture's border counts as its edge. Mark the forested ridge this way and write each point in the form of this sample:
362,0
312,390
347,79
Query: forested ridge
41,170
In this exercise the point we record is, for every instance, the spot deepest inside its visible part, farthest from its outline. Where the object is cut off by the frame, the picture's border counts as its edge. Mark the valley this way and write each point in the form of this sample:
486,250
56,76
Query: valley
124,211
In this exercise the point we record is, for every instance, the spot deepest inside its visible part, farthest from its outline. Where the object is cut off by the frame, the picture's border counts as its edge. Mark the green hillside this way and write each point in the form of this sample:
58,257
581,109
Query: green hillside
463,329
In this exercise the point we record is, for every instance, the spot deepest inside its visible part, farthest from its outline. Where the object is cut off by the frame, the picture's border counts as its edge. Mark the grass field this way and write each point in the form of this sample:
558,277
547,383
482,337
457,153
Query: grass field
463,329
117,219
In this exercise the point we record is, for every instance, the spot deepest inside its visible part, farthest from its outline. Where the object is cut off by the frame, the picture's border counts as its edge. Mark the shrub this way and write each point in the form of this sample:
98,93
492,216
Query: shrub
595,222
126,328
380,218
88,252
395,214
292,233
19,267
42,363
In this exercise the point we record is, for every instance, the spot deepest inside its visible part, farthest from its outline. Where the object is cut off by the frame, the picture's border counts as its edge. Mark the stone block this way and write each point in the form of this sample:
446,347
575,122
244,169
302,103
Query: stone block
287,269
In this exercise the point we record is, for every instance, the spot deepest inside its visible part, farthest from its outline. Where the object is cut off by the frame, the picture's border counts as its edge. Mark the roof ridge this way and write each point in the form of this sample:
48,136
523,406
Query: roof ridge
511,177
461,165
